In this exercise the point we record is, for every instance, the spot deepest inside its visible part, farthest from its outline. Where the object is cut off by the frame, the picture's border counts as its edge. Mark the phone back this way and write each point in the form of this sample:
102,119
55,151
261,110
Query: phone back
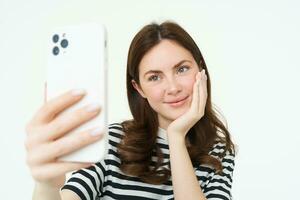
77,59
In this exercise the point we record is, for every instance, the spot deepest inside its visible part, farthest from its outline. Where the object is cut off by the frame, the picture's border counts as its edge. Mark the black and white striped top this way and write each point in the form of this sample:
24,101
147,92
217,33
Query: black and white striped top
104,180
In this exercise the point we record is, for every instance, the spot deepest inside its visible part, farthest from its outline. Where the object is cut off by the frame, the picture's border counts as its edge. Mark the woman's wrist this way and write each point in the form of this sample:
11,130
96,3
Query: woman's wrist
46,191
175,138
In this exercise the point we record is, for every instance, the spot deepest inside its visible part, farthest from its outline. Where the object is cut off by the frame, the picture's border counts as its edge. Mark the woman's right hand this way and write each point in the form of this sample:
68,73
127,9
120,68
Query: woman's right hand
45,140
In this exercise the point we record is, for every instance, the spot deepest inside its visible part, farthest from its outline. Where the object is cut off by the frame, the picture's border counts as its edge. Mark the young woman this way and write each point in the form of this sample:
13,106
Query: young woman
175,147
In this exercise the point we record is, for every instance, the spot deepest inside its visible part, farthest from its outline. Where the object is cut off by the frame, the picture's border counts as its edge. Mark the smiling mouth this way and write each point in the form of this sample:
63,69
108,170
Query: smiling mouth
177,103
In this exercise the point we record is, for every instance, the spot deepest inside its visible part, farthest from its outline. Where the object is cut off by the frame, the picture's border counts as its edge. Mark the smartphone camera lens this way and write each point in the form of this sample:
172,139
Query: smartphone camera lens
55,51
64,43
55,38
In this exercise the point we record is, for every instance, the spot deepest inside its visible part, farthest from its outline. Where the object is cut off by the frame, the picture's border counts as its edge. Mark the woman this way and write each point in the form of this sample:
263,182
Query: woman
174,147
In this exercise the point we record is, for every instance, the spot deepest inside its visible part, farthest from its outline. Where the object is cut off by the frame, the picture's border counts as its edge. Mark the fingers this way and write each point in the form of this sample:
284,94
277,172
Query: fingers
199,93
74,142
202,92
50,170
49,152
54,106
69,121
195,99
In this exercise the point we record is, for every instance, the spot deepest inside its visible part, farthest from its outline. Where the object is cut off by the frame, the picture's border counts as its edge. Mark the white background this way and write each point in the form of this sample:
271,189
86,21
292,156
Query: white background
251,49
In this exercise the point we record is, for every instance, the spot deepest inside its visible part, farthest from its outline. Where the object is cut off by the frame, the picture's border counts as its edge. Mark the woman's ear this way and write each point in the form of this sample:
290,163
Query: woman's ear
137,87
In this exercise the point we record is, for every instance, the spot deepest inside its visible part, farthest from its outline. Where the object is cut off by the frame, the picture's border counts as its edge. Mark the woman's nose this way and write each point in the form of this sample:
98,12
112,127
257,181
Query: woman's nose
173,87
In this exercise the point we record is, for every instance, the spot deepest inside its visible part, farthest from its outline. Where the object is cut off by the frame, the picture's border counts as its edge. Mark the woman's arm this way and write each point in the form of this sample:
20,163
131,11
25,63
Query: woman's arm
68,195
185,183
45,192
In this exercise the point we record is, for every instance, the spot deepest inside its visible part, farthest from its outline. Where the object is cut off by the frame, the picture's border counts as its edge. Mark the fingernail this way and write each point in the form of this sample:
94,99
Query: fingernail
78,92
95,132
93,107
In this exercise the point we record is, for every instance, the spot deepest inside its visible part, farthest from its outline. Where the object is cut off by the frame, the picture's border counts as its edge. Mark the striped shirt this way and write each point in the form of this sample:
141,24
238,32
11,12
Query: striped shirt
104,180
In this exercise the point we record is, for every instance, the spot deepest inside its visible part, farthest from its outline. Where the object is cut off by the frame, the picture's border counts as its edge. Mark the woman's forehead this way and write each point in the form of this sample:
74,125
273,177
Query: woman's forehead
164,55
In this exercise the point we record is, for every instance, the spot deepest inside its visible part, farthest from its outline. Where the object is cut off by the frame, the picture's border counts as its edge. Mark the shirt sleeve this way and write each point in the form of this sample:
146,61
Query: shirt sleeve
217,186
87,183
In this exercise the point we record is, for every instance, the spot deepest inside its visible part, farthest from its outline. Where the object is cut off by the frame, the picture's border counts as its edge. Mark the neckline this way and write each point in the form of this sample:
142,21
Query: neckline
162,133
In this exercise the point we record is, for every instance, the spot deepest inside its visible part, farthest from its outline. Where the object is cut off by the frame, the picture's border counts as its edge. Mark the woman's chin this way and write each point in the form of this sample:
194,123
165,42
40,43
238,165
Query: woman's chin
175,114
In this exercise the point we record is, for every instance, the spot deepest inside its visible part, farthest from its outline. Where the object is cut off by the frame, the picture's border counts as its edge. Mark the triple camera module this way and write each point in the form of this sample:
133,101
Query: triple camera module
59,43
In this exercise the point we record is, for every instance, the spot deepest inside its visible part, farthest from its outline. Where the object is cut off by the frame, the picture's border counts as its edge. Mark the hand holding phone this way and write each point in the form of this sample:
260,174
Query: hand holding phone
46,140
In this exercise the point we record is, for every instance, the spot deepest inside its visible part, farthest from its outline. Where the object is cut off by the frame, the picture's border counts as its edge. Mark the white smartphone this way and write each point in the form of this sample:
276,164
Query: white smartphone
77,58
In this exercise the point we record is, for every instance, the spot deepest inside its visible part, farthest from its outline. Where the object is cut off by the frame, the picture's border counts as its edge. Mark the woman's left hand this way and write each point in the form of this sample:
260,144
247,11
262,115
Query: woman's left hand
181,126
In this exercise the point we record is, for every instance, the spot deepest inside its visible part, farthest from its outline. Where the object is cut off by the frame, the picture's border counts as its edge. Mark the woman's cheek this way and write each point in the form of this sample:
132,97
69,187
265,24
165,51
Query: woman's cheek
189,84
157,95
154,94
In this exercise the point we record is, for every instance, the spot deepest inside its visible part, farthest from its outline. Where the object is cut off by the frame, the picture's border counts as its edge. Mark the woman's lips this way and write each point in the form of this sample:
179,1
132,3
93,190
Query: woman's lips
177,103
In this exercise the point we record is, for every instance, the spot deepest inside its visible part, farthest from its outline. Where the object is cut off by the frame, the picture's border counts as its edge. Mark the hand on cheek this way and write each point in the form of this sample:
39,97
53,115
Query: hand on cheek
185,122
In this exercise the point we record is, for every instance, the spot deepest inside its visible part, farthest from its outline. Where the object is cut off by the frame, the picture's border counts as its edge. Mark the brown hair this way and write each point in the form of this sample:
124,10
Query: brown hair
139,142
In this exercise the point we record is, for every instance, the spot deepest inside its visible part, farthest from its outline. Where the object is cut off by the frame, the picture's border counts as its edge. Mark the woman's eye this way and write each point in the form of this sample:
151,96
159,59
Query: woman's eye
183,69
153,78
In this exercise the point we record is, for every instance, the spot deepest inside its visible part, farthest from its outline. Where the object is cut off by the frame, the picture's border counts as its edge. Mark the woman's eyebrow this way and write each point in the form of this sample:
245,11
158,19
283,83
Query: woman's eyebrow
175,66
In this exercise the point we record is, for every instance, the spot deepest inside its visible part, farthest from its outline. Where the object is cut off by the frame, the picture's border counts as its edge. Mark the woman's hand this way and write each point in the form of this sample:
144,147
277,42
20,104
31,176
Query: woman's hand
45,141
180,126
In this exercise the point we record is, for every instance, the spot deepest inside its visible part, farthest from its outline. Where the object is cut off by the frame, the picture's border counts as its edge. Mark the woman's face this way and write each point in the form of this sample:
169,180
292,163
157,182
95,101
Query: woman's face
167,74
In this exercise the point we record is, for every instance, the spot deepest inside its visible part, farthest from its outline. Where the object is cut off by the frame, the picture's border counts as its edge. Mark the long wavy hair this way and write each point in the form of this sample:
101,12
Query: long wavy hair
138,144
